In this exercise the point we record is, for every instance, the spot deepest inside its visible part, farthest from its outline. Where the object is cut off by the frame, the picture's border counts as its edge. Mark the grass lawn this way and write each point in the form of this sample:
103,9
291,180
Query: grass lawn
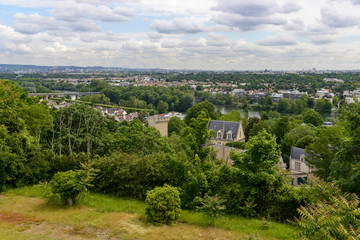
24,214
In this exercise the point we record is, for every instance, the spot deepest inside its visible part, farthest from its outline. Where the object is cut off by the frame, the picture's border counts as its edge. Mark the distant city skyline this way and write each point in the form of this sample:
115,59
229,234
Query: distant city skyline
182,34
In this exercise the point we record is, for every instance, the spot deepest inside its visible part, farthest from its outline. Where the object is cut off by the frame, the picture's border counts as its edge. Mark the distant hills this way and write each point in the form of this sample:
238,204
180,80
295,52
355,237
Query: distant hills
53,69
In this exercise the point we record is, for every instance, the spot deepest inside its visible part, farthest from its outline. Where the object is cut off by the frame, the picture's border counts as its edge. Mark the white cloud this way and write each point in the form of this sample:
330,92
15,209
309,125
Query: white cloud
179,26
72,11
34,23
278,40
202,34
335,17
249,15
248,23
83,25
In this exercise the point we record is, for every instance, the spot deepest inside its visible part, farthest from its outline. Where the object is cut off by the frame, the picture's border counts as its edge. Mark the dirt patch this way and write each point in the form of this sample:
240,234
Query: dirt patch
58,231
15,218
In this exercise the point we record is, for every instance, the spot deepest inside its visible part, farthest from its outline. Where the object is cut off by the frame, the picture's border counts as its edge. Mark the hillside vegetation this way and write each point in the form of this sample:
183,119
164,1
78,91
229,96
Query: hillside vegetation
25,215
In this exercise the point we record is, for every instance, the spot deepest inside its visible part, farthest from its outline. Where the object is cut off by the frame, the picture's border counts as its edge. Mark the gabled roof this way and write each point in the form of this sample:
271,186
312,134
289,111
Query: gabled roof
297,152
224,127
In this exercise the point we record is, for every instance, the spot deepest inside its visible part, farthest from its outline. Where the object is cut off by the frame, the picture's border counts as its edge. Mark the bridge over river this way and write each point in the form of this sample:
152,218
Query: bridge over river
73,95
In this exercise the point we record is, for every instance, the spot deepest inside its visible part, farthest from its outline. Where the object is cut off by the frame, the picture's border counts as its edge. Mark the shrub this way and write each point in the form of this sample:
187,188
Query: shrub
131,175
163,205
335,219
212,206
68,186
330,214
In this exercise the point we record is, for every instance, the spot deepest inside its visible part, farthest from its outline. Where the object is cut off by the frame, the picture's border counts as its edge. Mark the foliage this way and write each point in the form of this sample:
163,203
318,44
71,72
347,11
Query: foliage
295,138
212,206
137,138
99,211
132,175
98,98
68,185
252,122
196,182
324,148
163,205
196,138
312,117
175,126
240,145
252,184
80,129
194,111
284,106
22,160
233,116
162,107
282,126
338,218
323,106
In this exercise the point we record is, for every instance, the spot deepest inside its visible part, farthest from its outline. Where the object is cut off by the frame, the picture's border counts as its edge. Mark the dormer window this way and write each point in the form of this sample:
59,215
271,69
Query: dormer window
229,135
219,134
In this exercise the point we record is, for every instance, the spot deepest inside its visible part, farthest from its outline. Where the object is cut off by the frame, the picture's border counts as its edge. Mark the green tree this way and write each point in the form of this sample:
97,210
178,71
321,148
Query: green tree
80,129
132,175
175,126
294,137
193,112
282,126
212,206
163,205
312,117
344,167
252,122
233,116
338,218
323,106
252,184
323,150
98,98
162,107
68,186
137,138
186,101
22,161
284,105
196,138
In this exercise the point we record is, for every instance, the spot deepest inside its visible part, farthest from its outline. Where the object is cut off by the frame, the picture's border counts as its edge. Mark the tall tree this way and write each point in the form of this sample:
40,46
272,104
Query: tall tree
196,138
193,112
312,117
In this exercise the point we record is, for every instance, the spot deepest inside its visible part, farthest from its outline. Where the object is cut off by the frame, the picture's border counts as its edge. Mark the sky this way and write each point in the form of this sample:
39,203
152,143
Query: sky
182,34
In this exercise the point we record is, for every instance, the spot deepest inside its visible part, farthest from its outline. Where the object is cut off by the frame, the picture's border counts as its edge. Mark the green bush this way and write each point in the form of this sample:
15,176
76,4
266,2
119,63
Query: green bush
131,175
334,219
163,205
212,206
68,186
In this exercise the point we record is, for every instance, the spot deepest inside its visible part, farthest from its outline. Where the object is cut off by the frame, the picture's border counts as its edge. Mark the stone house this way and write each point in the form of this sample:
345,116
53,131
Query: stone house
225,132
300,169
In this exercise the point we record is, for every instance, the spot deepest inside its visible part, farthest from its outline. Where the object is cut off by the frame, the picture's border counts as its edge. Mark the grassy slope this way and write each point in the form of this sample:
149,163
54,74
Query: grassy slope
103,217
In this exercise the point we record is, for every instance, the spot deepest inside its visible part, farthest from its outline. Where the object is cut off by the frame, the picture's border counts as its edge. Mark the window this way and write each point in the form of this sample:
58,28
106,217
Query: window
218,134
229,135
297,166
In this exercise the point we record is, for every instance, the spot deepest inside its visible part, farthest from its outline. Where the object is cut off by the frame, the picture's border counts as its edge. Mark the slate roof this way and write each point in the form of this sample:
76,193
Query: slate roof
225,127
297,152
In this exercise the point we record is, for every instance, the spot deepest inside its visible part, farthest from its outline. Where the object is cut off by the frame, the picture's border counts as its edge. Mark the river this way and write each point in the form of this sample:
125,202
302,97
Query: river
226,109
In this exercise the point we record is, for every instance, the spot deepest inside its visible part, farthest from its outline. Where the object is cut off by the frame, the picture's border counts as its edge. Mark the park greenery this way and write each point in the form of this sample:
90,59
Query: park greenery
163,205
179,97
76,148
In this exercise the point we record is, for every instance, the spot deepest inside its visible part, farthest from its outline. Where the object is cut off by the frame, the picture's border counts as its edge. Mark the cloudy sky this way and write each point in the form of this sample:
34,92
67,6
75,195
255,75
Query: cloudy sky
182,34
